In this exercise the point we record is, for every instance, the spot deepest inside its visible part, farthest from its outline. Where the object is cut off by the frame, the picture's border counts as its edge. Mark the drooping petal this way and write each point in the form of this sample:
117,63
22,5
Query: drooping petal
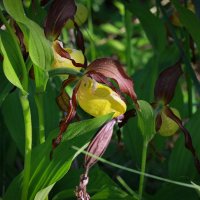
188,139
98,99
63,100
113,69
58,14
71,112
68,58
99,144
166,83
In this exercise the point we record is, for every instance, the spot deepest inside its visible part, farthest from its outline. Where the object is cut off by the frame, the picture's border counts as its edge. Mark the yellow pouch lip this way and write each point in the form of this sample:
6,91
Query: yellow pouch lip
98,99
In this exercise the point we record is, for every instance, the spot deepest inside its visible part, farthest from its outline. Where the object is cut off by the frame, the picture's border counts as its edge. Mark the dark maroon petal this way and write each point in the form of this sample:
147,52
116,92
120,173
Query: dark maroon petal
188,139
63,53
58,14
99,144
63,99
127,115
158,122
71,112
166,83
111,68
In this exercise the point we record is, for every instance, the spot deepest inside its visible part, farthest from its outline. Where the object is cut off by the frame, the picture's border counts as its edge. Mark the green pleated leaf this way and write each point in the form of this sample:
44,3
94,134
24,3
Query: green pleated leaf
146,120
152,25
5,86
38,46
45,172
13,118
11,63
190,21
42,194
181,162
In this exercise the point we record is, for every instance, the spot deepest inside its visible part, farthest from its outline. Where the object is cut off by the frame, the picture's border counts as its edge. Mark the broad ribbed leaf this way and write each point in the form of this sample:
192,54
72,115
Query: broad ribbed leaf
188,139
45,172
166,83
111,68
58,14
38,46
12,66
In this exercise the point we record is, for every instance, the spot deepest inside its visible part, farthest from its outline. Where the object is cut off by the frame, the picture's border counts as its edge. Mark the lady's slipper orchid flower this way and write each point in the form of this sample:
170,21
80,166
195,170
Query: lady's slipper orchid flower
95,94
164,92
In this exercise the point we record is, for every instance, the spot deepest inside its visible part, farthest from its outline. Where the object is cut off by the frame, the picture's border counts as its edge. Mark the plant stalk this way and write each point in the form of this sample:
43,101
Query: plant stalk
28,144
91,30
39,100
143,167
128,50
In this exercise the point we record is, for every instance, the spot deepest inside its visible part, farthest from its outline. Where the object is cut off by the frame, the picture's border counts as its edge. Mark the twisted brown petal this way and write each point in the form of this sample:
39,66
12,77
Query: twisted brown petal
188,139
66,121
63,99
63,53
166,83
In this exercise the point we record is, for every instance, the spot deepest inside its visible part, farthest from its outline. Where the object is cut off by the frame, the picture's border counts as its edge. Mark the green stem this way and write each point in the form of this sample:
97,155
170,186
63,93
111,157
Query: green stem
15,41
143,167
128,50
126,186
28,144
188,79
80,150
39,100
91,30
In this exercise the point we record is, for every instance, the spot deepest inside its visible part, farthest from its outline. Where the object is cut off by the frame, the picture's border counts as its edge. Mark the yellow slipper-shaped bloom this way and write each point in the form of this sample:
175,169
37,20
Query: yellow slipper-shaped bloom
98,99
61,61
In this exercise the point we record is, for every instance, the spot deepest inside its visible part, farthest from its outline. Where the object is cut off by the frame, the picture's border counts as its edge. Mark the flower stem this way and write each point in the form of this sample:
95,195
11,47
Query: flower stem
90,27
128,51
143,167
39,100
28,144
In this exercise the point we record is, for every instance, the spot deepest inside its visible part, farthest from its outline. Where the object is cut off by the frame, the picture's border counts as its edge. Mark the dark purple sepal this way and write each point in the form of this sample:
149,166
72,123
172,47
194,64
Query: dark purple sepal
166,83
188,139
111,68
60,11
